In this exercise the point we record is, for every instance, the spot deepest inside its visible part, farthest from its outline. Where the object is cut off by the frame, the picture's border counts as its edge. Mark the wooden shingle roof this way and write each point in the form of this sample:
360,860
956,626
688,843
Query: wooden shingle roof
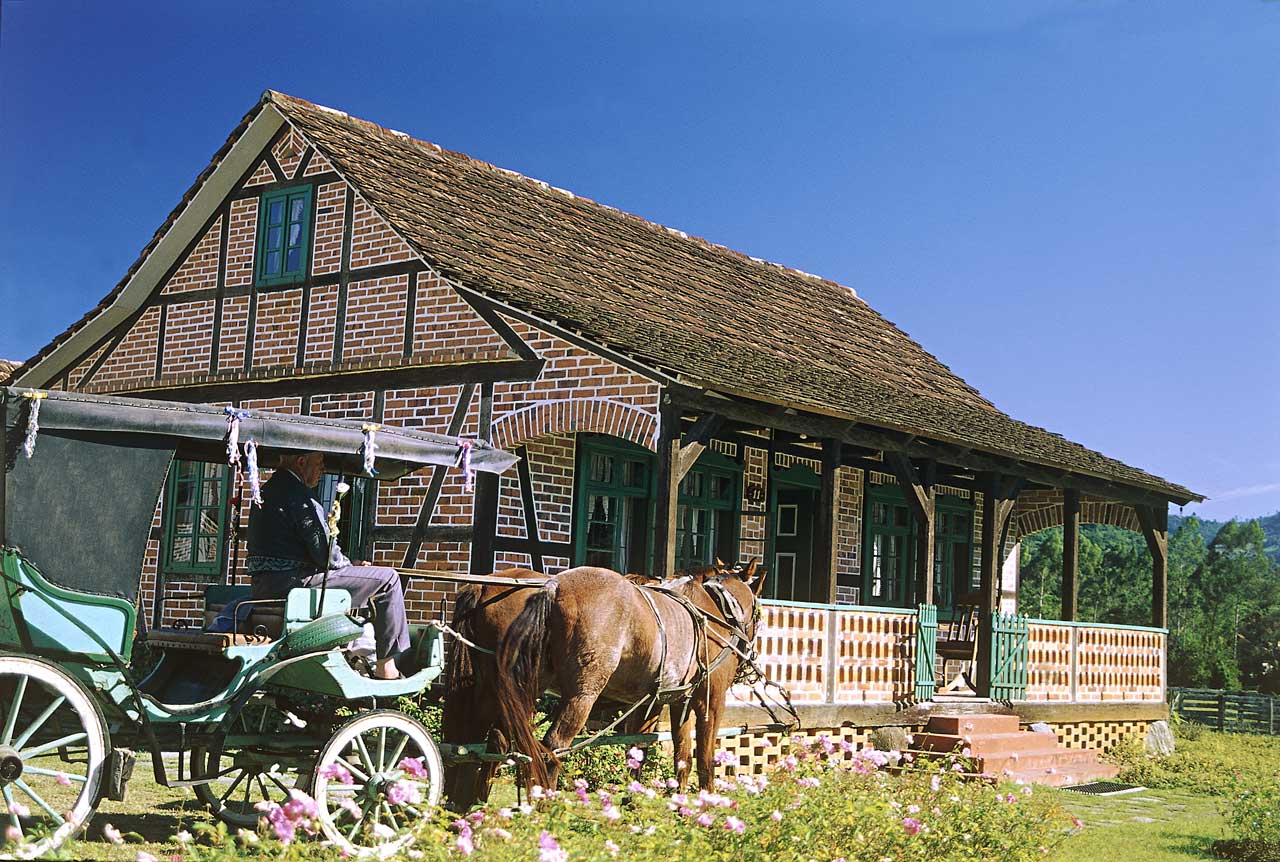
705,314
701,313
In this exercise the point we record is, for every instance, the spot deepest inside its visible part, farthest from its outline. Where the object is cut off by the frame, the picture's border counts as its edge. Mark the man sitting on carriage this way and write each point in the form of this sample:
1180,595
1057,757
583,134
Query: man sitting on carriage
290,546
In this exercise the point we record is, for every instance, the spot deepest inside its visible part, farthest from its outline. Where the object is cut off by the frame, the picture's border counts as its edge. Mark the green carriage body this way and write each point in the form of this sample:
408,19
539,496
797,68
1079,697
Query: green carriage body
75,518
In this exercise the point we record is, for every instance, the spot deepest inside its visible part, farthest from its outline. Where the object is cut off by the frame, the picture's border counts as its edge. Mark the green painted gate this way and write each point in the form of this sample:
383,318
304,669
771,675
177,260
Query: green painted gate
926,650
1009,637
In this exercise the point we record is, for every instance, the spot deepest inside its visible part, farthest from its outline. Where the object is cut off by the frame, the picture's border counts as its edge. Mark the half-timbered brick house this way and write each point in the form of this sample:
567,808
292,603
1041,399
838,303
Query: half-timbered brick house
672,401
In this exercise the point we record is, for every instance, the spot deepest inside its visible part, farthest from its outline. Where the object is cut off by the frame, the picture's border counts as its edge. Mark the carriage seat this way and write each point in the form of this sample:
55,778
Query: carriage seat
267,620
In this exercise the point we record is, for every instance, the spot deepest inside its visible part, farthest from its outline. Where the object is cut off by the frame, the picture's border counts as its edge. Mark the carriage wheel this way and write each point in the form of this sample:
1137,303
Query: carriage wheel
369,798
253,757
53,754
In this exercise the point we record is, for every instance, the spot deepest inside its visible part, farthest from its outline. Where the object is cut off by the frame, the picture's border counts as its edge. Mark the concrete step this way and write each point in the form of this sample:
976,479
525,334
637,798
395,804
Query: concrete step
1063,758
969,725
983,744
1066,776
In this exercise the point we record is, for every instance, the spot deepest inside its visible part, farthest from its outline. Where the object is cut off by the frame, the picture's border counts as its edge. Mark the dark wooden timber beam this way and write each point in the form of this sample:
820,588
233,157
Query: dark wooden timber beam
812,425
694,442
1070,553
432,497
484,507
824,537
668,484
1155,529
918,487
318,382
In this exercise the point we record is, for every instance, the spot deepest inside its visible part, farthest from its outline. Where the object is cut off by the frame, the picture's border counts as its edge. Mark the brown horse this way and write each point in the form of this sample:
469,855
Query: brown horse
591,634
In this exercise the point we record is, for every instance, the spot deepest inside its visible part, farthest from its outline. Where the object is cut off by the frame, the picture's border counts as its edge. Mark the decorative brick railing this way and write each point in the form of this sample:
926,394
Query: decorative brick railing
1095,663
837,653
841,654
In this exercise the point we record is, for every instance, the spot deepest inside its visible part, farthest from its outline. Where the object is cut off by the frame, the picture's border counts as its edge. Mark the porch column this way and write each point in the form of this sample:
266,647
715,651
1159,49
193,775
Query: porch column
824,537
998,497
1155,529
917,486
666,508
1070,553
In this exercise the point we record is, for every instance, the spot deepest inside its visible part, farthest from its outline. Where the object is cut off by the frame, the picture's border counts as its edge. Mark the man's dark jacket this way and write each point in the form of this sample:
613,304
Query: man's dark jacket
289,525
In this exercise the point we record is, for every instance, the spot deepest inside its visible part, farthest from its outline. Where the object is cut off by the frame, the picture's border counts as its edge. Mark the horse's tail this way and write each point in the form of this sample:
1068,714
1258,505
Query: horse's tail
461,670
520,655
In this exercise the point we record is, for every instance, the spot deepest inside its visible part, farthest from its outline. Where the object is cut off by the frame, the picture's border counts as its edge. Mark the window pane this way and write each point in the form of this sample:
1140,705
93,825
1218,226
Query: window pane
296,210
603,559
785,579
275,212
208,551
722,488
293,260
878,515
899,516
272,266
601,468
295,235
185,494
210,493
634,553
694,485
209,521
634,474
274,235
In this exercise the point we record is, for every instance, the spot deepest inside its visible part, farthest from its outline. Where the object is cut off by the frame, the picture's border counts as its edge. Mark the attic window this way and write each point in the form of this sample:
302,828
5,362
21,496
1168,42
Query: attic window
284,228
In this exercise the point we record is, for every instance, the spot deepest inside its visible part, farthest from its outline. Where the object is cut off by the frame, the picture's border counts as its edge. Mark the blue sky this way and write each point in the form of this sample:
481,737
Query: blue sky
1075,205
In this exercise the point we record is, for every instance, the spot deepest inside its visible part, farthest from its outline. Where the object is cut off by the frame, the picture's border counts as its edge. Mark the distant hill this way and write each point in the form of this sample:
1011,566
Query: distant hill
1209,529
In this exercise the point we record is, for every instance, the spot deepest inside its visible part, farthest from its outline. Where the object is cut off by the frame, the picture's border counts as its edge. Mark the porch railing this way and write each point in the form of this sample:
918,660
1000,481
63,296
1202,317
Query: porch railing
1095,662
849,654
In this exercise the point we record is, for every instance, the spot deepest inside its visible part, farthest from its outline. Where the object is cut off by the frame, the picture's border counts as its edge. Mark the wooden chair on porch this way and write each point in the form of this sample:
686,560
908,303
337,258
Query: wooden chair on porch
959,643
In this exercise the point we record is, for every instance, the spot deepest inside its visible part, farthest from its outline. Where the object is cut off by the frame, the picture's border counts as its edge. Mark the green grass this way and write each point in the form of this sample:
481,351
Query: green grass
1153,826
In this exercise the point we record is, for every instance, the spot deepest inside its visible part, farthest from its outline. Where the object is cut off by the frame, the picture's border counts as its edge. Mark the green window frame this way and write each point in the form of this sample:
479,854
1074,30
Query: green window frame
195,519
355,516
952,550
614,511
889,548
708,514
284,233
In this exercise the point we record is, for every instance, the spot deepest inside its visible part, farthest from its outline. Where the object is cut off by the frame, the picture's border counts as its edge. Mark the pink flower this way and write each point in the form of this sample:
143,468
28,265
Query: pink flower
807,782
13,834
63,779
17,809
413,766
733,824
612,848
1009,798
549,849
935,783
349,805
300,806
1077,822
705,819
776,816
912,825
636,787
404,793
536,792
913,809
498,832
465,844
723,758
109,832
635,757
335,772
144,856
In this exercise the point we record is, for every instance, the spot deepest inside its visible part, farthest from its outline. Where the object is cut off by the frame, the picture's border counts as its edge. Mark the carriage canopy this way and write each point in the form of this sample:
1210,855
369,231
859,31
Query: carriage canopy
81,508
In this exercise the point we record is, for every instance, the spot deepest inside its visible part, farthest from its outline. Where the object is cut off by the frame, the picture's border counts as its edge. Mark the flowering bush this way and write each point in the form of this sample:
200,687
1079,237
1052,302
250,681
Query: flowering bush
819,804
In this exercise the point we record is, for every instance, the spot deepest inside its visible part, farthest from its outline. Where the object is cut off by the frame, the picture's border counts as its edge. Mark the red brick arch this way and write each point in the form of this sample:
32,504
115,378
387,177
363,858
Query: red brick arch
572,415
1040,510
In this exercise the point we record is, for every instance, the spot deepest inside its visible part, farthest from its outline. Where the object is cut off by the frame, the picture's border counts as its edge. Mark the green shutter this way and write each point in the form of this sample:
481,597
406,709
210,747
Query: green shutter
284,232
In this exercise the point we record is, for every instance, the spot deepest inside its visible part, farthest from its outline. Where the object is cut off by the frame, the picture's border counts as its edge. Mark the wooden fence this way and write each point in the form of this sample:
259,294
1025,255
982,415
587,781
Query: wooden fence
1240,711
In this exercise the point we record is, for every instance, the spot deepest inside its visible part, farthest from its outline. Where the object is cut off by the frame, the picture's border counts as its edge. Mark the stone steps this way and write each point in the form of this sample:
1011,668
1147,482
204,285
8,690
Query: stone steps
1000,748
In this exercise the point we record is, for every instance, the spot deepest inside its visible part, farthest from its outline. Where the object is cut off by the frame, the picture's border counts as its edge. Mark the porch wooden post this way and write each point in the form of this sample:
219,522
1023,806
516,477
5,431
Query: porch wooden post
824,538
1070,553
666,508
917,485
997,506
1155,529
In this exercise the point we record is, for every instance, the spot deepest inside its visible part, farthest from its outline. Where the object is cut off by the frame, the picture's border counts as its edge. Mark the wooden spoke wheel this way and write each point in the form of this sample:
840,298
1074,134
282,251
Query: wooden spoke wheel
258,754
53,756
369,798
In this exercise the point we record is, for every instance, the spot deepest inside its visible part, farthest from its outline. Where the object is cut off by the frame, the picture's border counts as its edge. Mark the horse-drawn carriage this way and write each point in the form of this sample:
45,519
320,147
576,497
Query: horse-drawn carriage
263,699
243,715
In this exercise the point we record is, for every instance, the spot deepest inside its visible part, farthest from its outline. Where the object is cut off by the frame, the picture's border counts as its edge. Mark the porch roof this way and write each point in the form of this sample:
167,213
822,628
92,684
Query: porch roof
694,311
